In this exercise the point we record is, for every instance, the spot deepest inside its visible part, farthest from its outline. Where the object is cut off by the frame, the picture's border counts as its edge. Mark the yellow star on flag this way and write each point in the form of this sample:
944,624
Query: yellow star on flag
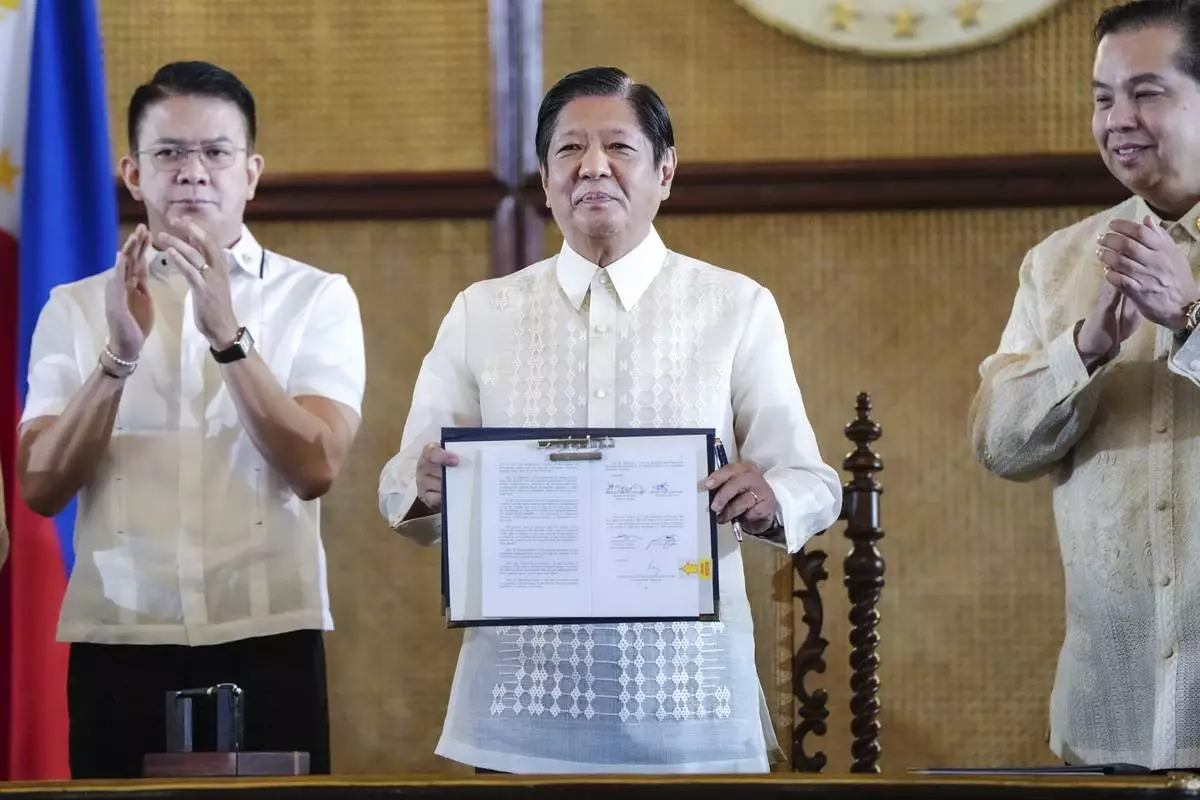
9,5
8,170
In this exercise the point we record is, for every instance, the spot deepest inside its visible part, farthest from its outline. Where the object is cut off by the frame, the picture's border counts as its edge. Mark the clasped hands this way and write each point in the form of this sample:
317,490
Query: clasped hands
1146,276
201,260
741,491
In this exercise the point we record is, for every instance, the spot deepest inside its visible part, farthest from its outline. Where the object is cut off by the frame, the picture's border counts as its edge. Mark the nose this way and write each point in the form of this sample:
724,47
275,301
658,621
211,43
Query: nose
594,163
1122,115
192,172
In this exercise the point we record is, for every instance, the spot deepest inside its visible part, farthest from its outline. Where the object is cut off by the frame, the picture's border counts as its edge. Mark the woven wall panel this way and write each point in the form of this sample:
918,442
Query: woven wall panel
905,306
972,609
902,305
391,658
363,86
740,90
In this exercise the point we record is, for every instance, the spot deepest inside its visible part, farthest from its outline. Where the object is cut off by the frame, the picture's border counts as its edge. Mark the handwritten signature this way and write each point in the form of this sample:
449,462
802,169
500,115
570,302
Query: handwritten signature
663,542
626,538
625,488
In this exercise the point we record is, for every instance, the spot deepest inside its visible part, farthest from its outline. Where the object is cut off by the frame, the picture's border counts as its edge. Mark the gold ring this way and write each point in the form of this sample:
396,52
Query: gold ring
202,267
754,494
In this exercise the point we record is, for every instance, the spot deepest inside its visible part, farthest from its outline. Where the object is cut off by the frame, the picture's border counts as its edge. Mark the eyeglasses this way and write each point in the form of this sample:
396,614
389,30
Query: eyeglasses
171,157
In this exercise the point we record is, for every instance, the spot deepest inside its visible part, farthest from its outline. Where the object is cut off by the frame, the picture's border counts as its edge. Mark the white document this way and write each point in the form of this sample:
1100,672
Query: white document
536,534
626,536
645,533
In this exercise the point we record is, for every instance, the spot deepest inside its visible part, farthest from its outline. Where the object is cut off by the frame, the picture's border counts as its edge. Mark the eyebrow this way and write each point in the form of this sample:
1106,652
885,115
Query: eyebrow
1141,77
217,140
618,130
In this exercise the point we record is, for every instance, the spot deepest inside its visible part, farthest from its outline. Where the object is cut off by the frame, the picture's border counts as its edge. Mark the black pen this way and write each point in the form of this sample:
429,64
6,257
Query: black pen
723,461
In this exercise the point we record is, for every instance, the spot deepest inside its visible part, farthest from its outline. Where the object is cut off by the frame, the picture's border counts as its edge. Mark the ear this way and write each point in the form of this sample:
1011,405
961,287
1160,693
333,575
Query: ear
545,183
666,172
254,170
131,175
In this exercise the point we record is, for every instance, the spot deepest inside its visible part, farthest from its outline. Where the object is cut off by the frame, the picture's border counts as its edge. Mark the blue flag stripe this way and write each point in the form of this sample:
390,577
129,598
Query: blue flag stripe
68,205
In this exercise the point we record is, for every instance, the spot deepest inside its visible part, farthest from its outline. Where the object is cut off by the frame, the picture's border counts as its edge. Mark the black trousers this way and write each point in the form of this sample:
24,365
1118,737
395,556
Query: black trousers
116,699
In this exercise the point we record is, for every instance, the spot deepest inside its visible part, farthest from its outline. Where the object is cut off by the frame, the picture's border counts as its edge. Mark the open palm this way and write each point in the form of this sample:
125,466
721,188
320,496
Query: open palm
128,305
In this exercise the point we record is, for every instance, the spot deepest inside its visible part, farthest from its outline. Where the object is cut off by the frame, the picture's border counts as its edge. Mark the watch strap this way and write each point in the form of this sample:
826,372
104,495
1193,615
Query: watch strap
236,351
1191,316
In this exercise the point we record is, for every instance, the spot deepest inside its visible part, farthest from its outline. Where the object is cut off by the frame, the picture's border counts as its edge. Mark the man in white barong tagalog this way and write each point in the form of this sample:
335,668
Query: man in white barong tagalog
199,397
617,331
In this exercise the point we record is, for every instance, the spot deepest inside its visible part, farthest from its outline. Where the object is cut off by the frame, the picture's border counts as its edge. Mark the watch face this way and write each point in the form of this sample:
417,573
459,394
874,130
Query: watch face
244,340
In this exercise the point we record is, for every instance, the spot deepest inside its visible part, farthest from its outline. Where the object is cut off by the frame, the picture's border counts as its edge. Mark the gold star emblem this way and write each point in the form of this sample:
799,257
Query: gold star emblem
904,24
967,12
8,172
843,15
9,5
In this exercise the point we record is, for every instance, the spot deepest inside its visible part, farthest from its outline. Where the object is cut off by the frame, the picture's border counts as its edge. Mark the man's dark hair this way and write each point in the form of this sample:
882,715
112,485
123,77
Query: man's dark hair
1139,14
196,79
651,111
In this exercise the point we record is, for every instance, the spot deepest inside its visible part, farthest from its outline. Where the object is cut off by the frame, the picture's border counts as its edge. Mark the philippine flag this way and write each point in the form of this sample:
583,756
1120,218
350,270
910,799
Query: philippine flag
58,223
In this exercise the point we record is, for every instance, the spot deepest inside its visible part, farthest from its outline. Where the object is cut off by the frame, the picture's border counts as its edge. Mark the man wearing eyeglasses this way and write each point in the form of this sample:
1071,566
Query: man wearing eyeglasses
198,397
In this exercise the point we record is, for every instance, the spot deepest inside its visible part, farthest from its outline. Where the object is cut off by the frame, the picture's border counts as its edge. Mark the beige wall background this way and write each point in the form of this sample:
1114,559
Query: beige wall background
903,305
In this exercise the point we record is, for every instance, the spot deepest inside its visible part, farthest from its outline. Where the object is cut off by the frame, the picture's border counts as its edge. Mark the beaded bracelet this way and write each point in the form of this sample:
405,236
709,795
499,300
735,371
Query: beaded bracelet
127,367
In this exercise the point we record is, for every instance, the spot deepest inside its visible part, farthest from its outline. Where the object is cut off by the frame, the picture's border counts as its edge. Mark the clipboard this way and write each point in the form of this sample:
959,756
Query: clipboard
578,450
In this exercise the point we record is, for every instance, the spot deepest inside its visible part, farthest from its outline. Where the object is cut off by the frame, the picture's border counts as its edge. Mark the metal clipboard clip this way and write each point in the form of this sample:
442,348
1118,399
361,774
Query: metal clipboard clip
577,449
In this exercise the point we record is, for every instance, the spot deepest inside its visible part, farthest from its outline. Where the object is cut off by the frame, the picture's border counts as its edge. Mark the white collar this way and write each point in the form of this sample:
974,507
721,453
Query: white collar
631,274
246,254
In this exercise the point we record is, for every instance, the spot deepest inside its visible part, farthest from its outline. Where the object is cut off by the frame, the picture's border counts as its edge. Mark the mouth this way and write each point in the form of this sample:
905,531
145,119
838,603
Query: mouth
1129,152
594,198
192,202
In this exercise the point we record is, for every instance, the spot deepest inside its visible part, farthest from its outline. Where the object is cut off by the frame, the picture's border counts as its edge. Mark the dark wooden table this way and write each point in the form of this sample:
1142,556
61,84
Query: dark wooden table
503,787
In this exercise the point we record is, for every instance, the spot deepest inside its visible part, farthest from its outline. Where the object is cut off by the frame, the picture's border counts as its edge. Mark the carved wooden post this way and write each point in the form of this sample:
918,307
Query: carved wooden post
864,582
809,657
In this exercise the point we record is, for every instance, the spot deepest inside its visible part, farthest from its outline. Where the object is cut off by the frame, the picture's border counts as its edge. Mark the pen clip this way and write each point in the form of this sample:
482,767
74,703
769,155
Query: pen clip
722,459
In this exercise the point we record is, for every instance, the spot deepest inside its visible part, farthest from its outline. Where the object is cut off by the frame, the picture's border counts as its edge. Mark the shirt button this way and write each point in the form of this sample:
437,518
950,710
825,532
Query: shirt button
1165,580
1168,651
603,280
601,394
1161,427
1162,505
247,258
601,329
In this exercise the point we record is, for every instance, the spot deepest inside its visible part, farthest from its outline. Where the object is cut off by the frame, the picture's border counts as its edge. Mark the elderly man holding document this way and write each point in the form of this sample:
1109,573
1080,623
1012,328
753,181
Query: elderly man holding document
655,351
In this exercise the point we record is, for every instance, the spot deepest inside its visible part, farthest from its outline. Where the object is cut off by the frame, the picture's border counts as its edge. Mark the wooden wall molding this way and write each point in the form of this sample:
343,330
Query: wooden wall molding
323,197
1041,181
890,185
